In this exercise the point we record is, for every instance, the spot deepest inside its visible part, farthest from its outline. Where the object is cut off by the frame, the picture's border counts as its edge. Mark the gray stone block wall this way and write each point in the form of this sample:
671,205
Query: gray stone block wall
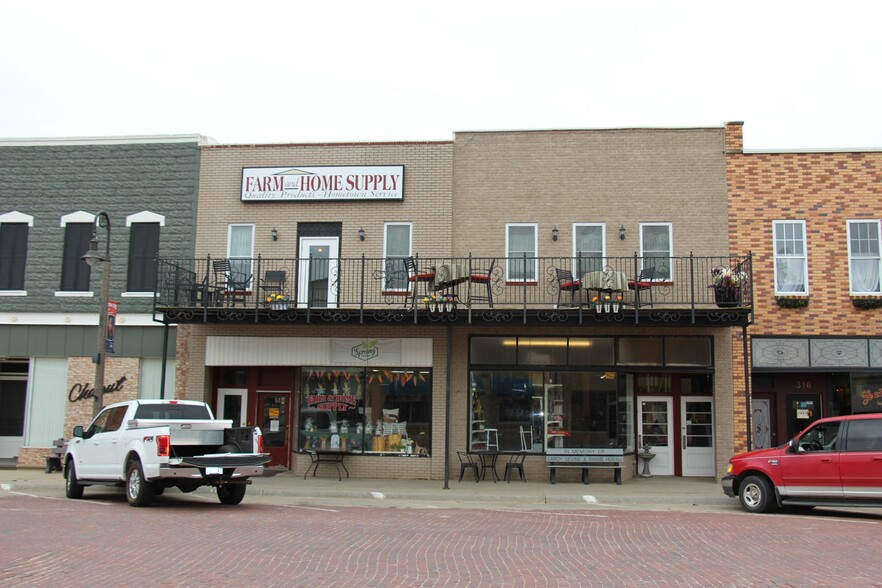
50,181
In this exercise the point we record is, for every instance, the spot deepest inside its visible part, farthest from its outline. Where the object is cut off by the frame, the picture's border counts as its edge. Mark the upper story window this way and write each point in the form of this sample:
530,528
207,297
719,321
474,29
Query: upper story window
76,273
657,248
240,250
589,243
396,246
521,250
791,263
863,256
14,227
144,230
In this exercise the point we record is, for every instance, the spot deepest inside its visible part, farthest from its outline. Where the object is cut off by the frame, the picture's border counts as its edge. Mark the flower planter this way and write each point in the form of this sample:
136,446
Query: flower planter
598,308
727,297
615,306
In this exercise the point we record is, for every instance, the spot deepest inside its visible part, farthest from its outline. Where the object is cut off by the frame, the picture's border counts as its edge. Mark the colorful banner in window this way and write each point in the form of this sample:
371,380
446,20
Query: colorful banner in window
112,308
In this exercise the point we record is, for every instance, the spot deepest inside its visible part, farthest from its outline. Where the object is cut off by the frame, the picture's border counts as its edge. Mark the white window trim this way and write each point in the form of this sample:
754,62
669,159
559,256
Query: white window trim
670,227
79,216
602,237
64,294
508,272
386,226
848,224
16,217
13,292
139,294
230,235
145,217
775,224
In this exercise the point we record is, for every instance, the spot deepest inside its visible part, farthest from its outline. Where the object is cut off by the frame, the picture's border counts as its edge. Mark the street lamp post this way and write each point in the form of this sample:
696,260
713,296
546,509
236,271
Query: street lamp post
93,258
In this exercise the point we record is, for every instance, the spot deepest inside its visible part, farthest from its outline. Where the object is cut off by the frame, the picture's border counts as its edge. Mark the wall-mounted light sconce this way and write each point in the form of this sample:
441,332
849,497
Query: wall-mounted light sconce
275,234
554,233
361,234
622,232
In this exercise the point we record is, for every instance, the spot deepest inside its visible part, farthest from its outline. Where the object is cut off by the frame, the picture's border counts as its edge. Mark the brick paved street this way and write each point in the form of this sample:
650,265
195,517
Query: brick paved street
191,540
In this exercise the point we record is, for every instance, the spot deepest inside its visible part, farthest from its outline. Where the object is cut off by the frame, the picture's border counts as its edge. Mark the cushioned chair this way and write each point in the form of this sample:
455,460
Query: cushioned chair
466,463
482,277
566,283
642,284
416,277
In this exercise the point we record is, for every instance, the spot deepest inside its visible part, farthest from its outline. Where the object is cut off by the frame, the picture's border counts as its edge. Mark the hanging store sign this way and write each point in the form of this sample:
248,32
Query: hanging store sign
378,182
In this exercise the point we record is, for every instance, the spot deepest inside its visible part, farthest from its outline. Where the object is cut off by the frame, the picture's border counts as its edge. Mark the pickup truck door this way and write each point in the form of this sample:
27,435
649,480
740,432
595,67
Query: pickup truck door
861,462
98,454
811,467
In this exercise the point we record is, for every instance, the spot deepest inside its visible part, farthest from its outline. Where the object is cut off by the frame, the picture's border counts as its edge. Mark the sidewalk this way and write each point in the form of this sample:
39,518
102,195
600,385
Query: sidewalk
656,493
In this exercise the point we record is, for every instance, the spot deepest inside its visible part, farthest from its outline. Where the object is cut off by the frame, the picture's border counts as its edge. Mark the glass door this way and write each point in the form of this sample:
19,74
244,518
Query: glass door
273,414
697,435
654,426
317,274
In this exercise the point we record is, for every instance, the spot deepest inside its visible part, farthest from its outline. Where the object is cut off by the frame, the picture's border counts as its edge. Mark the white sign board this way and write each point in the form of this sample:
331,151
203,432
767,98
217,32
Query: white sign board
377,182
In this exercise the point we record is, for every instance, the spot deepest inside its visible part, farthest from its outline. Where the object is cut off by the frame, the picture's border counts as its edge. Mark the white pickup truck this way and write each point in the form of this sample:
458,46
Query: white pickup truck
151,445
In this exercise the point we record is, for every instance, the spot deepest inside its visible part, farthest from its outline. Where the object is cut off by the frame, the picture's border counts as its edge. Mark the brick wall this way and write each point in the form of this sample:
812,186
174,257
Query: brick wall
825,189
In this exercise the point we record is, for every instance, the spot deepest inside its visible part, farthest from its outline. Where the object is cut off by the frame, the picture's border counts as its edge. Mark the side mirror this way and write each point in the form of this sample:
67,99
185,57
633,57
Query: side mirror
78,432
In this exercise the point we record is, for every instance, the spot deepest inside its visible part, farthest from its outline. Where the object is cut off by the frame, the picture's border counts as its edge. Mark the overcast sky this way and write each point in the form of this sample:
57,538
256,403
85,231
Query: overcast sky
800,74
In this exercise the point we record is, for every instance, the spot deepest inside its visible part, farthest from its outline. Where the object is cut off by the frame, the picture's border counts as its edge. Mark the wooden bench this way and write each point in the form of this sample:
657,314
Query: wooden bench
584,458
53,462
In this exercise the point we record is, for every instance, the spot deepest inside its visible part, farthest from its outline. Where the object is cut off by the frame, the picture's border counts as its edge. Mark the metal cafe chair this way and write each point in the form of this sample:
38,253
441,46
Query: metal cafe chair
466,463
483,277
643,283
515,463
566,283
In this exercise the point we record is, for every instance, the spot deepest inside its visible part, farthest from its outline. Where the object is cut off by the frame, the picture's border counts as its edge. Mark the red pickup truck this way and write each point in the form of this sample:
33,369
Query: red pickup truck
836,461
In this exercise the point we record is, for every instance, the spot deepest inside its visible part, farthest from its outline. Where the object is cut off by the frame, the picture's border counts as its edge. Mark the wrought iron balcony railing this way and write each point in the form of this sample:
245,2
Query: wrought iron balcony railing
611,285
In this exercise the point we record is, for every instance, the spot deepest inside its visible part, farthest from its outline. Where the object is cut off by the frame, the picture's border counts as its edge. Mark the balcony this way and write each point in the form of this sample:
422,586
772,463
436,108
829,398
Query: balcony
614,291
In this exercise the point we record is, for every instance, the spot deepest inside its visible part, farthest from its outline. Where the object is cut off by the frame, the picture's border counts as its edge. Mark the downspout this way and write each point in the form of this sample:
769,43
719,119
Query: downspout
447,412
747,404
164,359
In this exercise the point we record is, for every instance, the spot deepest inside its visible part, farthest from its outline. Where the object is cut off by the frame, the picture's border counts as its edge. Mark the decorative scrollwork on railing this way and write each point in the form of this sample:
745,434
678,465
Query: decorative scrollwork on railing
723,317
552,316
180,316
607,317
284,316
335,316
665,316
391,316
232,315
446,316
494,316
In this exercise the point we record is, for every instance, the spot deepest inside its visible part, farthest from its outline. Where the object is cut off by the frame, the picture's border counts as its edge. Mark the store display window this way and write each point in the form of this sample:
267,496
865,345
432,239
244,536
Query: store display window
366,410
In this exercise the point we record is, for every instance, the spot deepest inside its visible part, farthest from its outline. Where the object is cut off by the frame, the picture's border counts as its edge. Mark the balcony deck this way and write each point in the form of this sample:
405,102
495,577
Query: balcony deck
472,290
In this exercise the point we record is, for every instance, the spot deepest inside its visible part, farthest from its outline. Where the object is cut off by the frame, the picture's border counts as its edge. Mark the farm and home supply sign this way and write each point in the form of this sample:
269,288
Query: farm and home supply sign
379,182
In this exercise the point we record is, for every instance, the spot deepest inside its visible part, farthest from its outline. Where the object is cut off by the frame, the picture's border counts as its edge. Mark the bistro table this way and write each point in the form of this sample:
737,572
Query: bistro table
488,462
605,281
328,456
448,277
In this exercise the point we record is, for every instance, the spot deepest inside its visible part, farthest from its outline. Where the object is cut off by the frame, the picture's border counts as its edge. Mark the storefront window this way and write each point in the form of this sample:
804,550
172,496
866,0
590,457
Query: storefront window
537,410
866,393
372,411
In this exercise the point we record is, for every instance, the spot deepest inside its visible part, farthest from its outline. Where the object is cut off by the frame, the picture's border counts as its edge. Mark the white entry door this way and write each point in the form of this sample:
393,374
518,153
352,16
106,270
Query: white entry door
697,435
232,403
655,426
317,285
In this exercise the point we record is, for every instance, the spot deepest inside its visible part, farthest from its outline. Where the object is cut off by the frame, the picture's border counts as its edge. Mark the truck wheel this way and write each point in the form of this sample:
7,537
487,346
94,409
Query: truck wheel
756,494
231,493
72,486
139,492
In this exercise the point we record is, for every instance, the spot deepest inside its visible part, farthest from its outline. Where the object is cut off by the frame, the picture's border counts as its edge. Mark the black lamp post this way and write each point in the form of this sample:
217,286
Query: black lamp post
93,258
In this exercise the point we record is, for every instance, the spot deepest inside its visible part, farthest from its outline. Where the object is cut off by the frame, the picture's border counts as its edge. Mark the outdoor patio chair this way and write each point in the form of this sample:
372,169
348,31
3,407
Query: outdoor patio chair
642,284
466,463
566,283
482,277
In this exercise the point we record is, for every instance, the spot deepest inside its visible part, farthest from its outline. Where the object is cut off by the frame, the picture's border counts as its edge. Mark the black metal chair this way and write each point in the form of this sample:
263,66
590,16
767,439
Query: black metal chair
230,286
466,463
566,283
515,463
482,277
274,282
642,284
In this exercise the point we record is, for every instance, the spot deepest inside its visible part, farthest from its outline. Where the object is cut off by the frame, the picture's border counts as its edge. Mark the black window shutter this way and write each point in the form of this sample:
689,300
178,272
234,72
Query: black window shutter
75,273
143,251
13,255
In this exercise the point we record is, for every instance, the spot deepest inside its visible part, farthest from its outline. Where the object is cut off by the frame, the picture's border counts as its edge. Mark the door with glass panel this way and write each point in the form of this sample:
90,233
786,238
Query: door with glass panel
272,418
232,403
317,283
655,431
697,435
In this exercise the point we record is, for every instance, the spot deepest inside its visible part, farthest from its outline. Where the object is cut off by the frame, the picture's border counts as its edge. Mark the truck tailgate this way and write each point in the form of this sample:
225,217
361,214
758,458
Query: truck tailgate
226,460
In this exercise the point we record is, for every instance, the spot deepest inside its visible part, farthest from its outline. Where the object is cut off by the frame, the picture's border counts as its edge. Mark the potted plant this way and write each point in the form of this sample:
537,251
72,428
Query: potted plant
617,303
727,284
277,301
598,306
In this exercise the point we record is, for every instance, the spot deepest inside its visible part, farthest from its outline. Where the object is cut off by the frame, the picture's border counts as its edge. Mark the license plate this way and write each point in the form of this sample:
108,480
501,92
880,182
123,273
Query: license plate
213,471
